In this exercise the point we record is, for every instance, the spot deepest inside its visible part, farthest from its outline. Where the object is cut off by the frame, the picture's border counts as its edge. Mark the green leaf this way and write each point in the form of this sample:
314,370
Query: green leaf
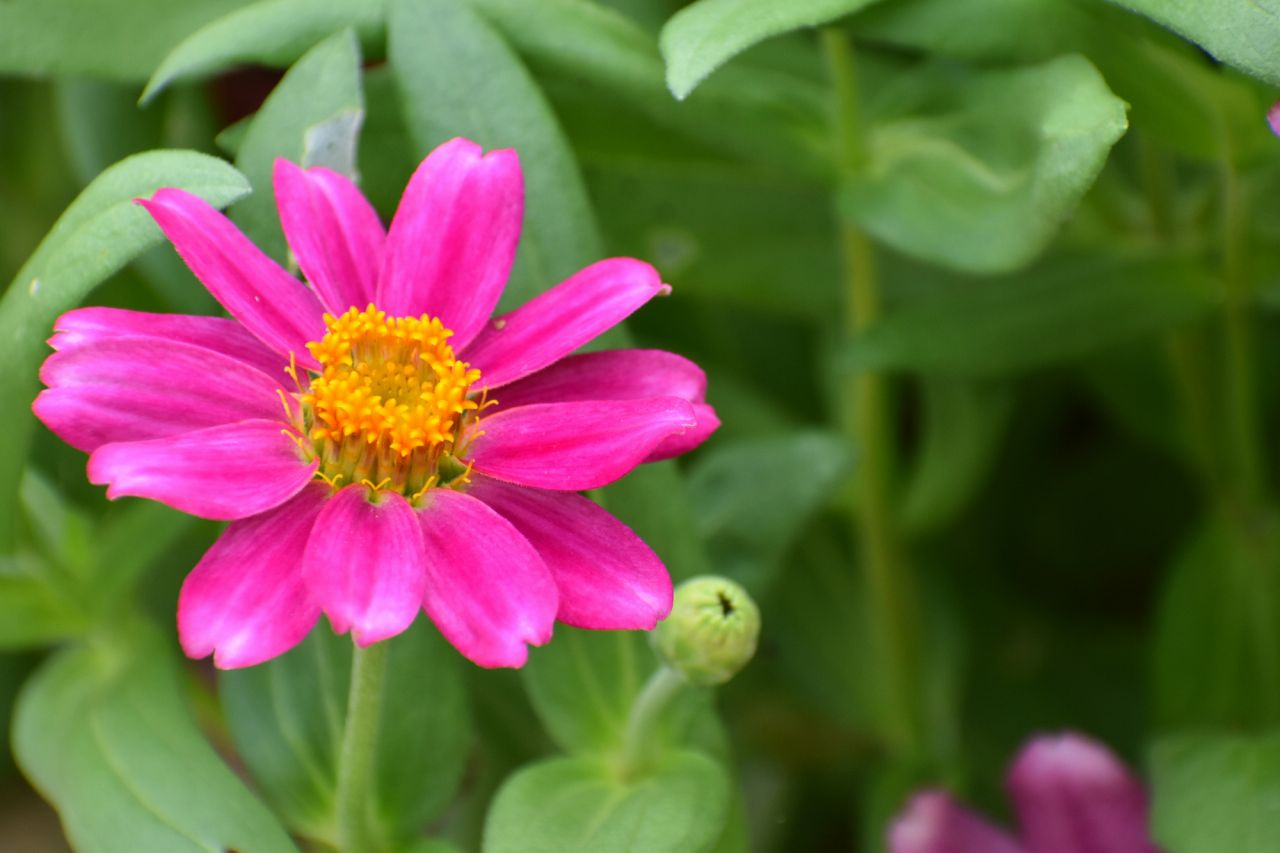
1057,311
963,425
1242,33
322,87
117,39
98,234
1217,635
705,35
269,32
984,170
103,732
582,685
1216,792
457,77
748,528
756,114
579,804
287,718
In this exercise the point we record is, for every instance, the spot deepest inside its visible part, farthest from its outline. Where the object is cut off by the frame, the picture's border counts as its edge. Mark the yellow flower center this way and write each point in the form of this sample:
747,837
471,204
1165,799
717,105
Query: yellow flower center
389,405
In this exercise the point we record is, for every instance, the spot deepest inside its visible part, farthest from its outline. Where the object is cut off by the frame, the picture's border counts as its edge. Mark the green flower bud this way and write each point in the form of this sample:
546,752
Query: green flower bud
711,632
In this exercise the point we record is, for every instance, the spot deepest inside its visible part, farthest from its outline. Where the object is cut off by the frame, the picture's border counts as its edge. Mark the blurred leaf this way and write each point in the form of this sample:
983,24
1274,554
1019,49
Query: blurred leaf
999,30
704,35
963,425
1242,33
269,32
323,86
1217,633
99,233
1056,311
1216,792
982,174
117,39
580,804
756,114
582,685
457,77
103,732
287,718
1140,61
754,497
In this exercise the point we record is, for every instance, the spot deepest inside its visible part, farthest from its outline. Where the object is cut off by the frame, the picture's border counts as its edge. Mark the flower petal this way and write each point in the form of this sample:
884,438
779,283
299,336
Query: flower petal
365,564
334,231
576,446
225,472
488,591
245,600
608,578
272,304
552,325
620,374
136,388
453,238
88,326
933,823
1071,793
624,374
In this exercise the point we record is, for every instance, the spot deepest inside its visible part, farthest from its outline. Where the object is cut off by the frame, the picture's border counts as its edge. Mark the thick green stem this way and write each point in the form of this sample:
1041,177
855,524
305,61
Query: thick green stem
890,583
1241,382
359,749
654,699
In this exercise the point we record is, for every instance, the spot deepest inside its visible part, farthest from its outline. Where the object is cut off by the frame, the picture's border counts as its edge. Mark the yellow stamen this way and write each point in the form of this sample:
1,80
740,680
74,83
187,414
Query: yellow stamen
390,400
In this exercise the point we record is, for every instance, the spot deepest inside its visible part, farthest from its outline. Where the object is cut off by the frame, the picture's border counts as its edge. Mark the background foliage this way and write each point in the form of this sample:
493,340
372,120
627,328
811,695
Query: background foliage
987,293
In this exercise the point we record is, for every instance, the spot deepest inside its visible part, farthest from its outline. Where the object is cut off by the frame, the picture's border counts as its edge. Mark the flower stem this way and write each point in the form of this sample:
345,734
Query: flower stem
654,699
889,578
359,749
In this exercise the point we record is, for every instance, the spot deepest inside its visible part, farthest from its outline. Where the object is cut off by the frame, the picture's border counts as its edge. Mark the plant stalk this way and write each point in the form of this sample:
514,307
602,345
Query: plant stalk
890,583
654,699
359,749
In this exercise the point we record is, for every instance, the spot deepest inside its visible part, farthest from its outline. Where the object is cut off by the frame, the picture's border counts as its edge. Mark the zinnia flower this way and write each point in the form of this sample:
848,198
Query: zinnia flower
378,442
1071,795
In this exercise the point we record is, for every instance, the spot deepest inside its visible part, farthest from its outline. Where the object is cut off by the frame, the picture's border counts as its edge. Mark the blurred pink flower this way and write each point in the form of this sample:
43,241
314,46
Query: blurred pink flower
378,443
1070,794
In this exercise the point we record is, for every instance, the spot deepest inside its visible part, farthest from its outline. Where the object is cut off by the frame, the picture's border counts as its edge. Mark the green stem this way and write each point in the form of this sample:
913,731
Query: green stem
359,749
1241,385
661,688
890,582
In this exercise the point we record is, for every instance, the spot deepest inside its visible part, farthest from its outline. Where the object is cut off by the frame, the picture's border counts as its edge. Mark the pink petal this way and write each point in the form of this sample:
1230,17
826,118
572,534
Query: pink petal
607,577
1273,118
621,374
88,326
933,823
576,446
552,325
245,601
1072,794
624,374
488,591
136,388
272,304
334,231
365,565
454,237
225,472
678,445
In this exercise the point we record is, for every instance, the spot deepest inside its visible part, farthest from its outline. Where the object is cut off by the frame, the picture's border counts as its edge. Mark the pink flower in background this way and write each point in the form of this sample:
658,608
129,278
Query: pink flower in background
1070,794
378,442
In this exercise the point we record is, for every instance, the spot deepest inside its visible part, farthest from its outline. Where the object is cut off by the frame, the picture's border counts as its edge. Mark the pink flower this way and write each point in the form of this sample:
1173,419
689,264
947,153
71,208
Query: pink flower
378,443
1071,795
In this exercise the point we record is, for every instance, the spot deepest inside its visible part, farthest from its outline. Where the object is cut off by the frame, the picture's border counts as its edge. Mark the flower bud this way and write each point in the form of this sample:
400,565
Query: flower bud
711,632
